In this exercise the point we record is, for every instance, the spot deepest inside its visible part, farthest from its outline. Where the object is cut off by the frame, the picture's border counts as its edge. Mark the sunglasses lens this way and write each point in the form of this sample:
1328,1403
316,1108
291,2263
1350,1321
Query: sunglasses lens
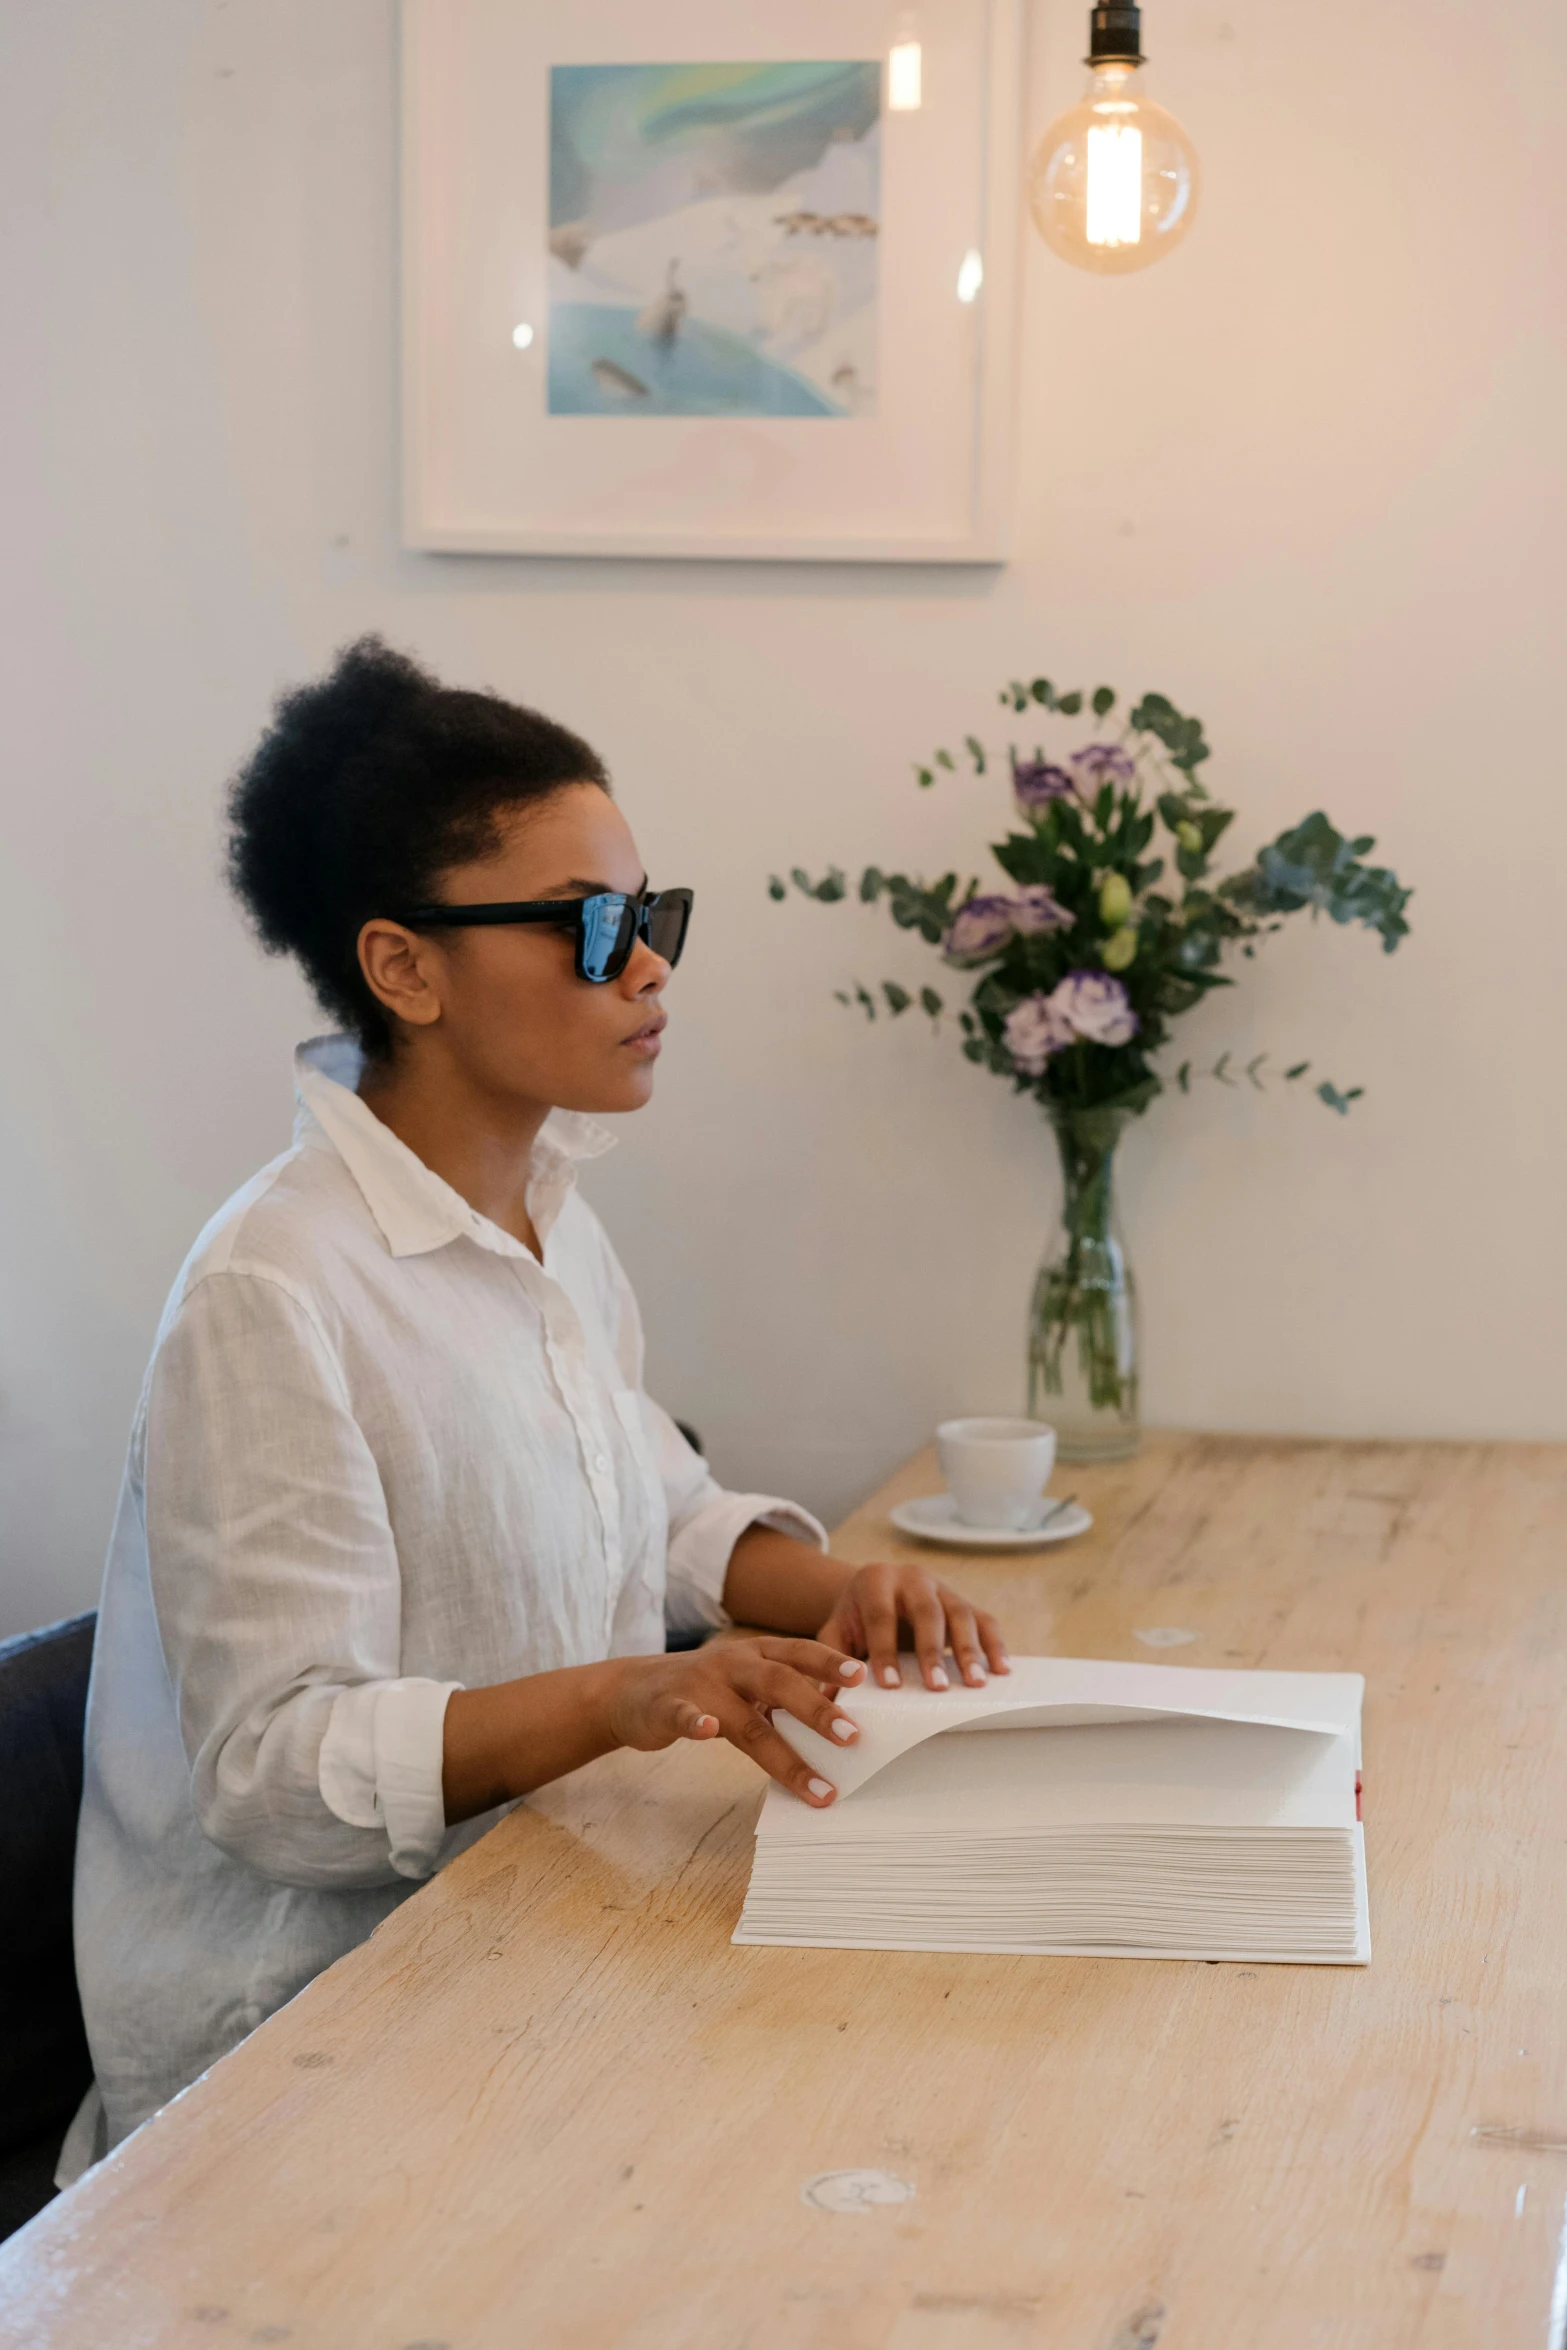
667,918
609,925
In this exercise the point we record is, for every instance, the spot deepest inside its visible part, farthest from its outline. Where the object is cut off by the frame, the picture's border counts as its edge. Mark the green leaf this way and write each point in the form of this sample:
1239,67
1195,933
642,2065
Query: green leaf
1026,856
1104,700
1252,1069
1220,1066
976,751
1314,865
1069,704
930,1003
1335,1100
1183,1075
1043,692
924,778
1299,1070
872,882
945,759
1157,715
1151,713
898,998
775,889
801,880
865,1000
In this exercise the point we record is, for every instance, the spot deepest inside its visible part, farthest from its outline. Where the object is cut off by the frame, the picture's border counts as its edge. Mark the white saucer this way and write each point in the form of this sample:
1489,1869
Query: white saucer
934,1518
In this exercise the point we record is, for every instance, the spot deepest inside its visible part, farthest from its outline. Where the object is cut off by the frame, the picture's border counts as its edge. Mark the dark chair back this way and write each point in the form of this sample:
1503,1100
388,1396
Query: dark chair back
44,2064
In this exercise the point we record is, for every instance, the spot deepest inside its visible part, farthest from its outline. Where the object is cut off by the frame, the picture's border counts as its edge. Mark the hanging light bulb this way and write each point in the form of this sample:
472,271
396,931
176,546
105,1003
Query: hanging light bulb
1113,184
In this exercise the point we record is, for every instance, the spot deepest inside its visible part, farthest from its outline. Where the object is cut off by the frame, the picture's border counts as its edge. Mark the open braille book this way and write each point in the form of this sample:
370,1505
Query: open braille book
1076,1807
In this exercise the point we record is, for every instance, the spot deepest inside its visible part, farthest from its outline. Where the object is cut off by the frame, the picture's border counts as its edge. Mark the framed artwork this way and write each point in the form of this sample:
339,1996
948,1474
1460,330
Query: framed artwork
710,277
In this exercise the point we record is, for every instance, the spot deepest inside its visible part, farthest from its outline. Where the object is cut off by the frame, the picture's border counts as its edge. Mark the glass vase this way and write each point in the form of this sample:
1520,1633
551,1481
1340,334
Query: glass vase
1082,1324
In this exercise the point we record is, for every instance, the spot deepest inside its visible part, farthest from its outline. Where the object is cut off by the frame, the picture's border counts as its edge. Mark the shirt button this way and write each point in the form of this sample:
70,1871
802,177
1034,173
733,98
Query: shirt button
601,1460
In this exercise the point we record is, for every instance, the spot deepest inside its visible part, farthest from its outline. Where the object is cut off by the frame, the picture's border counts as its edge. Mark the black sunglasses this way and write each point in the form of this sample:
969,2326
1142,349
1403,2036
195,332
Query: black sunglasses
605,926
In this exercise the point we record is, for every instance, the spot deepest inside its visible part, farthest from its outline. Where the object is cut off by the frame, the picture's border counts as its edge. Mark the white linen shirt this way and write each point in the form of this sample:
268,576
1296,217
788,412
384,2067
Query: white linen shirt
382,1452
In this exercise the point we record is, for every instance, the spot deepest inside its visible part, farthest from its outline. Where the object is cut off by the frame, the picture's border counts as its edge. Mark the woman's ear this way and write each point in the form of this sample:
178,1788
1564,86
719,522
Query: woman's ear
401,971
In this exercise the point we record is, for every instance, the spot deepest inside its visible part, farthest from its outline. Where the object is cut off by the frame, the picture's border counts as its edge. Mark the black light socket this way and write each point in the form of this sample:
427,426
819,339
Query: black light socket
1115,36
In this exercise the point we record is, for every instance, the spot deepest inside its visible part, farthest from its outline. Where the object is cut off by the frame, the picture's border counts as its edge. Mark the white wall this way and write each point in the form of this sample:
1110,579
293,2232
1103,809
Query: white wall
1307,478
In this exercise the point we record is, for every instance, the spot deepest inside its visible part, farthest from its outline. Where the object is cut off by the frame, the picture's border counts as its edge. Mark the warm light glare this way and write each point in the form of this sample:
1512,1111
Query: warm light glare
1115,184
971,276
903,77
522,335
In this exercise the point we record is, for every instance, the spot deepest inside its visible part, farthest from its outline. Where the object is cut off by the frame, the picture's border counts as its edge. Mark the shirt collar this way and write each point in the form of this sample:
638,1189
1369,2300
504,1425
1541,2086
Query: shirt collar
415,1208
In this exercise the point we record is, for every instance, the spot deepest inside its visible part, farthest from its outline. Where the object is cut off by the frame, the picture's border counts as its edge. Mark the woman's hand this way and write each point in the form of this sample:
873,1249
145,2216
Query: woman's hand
877,1599
727,1690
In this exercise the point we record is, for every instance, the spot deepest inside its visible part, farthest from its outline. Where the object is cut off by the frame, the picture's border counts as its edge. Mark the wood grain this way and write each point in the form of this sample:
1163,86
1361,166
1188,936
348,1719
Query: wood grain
549,2103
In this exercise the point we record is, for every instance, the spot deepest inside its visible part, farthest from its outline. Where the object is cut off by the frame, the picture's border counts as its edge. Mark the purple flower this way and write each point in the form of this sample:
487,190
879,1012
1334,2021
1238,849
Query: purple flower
1095,1007
1098,763
1036,782
1086,1004
1034,1030
979,928
1036,909
982,926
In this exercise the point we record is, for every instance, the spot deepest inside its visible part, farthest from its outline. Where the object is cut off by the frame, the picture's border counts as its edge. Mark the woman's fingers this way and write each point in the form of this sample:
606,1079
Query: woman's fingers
780,1688
818,1660
876,1593
963,1637
843,1629
990,1637
755,1736
921,1603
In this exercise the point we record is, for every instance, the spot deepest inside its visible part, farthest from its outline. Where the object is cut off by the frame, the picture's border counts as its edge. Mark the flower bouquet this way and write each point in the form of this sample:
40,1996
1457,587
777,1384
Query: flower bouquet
1115,925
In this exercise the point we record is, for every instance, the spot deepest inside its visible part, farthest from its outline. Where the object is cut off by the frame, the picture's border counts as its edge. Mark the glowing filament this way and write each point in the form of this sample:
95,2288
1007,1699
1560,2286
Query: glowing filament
903,77
1115,184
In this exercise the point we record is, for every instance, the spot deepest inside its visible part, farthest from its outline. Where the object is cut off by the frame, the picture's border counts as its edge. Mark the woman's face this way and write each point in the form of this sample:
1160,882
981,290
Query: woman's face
504,1006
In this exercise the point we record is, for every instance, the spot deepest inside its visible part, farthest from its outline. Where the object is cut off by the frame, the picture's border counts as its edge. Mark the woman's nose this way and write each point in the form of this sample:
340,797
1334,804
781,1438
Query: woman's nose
646,972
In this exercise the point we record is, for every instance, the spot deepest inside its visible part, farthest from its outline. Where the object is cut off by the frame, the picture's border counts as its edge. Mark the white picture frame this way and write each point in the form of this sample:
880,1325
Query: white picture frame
916,470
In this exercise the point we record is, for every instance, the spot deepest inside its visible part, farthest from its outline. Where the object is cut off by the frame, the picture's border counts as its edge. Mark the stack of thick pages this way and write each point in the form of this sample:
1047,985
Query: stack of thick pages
1113,1810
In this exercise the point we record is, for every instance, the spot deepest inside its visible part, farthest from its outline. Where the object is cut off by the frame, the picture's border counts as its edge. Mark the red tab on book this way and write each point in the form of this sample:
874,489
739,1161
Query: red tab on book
1359,1785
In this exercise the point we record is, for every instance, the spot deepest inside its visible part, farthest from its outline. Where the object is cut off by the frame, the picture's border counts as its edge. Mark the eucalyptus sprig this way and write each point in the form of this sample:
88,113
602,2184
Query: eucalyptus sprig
1117,924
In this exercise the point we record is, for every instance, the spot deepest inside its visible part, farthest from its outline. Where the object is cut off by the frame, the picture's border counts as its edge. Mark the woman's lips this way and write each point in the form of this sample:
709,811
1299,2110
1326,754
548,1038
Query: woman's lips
647,1041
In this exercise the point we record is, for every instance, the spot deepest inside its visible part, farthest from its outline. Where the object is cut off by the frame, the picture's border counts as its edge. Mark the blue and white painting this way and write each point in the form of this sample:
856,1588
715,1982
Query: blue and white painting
713,236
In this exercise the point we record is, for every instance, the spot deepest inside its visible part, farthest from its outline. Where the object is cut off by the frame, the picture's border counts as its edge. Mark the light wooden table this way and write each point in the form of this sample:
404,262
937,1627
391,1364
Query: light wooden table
550,2104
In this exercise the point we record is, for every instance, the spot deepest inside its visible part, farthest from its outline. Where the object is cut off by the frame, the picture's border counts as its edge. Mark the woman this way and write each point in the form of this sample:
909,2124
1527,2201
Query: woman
401,1535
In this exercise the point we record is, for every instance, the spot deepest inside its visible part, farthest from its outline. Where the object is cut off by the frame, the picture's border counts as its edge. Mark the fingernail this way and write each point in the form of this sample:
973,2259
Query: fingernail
843,1728
976,1672
820,1788
850,1671
891,1675
938,1678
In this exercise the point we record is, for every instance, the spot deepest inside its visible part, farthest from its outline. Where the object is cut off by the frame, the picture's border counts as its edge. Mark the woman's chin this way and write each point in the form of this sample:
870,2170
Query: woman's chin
629,1088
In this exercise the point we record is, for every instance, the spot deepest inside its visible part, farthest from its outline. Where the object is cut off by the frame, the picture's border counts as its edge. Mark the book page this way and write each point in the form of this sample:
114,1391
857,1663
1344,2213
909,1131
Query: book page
1172,1773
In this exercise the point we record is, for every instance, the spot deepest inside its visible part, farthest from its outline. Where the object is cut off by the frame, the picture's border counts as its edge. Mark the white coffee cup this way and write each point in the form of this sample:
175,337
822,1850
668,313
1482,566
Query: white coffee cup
996,1470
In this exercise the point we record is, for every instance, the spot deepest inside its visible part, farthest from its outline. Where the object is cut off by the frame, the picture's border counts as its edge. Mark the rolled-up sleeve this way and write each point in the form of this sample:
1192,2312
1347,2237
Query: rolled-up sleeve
705,1523
276,1583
